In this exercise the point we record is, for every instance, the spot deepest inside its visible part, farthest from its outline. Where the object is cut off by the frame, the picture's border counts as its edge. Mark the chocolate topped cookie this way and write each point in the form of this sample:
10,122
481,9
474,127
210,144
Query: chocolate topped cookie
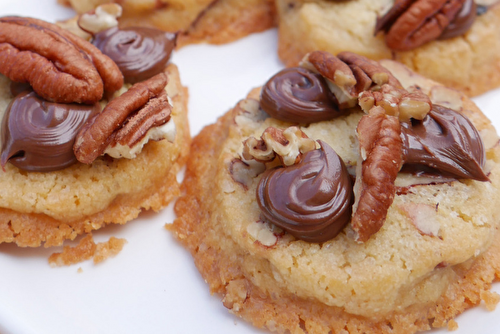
453,42
83,142
345,196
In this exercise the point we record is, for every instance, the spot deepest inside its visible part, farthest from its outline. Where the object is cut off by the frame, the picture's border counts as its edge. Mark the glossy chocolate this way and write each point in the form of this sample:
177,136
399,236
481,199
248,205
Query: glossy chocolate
38,135
311,200
298,95
444,142
139,52
462,22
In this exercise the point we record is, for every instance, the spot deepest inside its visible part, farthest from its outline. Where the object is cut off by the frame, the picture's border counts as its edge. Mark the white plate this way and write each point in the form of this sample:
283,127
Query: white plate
152,286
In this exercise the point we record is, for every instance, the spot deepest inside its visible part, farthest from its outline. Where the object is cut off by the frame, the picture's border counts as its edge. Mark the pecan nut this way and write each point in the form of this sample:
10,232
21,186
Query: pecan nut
125,120
405,104
412,23
339,76
348,74
288,145
381,151
61,67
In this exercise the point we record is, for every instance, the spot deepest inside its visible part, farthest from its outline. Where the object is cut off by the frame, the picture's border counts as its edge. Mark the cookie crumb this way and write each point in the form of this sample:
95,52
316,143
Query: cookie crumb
490,299
86,250
80,270
452,325
72,255
110,248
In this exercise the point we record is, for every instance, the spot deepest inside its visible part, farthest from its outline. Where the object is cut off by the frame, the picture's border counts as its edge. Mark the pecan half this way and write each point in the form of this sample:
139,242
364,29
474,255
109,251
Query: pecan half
381,151
125,120
288,144
61,67
405,104
412,23
348,74
368,70
339,76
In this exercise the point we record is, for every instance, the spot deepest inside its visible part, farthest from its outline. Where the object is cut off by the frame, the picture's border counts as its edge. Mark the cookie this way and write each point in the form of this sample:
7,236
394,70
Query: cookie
197,21
271,220
67,173
463,62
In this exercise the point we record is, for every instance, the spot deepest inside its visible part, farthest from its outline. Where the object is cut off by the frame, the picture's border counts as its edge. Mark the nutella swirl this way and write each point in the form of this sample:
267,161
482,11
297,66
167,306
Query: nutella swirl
462,22
38,135
444,142
311,200
139,52
298,95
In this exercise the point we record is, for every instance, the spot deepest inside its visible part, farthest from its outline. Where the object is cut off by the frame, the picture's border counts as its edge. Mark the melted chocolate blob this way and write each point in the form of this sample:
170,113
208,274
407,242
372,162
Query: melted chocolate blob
462,22
444,142
298,95
139,52
312,200
38,135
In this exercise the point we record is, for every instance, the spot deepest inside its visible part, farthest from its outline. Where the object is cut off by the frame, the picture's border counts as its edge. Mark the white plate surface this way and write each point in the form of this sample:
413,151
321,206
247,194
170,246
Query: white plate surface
152,286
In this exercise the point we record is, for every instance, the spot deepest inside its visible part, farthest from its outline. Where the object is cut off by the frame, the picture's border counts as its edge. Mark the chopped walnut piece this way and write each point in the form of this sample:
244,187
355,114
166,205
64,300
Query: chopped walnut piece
288,144
72,26
264,233
103,17
125,120
405,104
61,67
381,149
243,172
423,217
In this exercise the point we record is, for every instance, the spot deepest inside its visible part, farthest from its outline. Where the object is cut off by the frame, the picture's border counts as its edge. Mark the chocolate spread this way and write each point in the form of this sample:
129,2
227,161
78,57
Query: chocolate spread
38,135
139,52
445,142
311,200
298,95
462,22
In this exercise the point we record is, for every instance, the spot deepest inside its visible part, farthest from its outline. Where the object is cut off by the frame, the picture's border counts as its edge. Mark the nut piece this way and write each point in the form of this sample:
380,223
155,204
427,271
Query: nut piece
397,102
72,26
339,76
102,18
262,233
412,23
243,172
381,150
288,145
423,217
370,68
143,106
61,67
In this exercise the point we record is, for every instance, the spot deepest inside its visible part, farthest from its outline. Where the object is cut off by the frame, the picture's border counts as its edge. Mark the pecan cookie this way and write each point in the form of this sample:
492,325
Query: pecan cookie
83,143
217,22
345,196
455,42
